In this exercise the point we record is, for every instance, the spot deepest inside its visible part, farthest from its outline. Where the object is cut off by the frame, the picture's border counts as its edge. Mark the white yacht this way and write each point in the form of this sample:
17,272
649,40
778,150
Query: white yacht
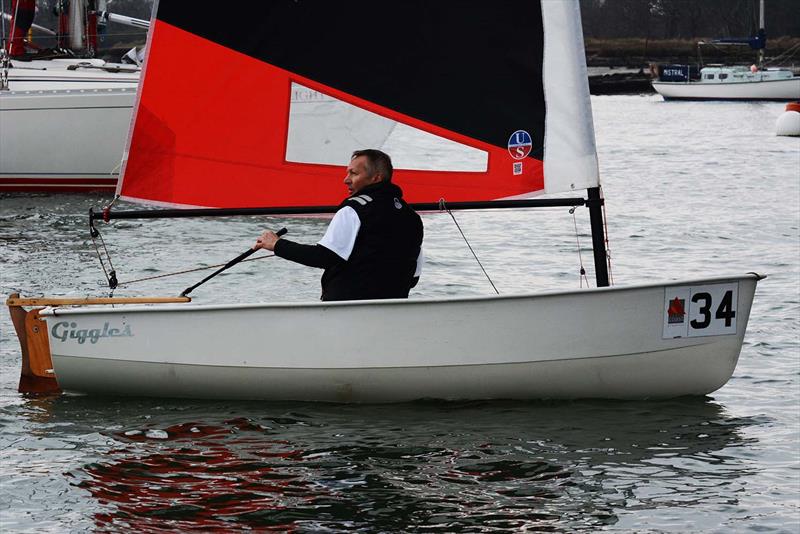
717,82
728,83
65,119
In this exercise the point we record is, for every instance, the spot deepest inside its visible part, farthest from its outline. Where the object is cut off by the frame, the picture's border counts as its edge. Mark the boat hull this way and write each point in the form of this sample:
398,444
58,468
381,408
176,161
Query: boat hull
65,124
63,140
778,90
601,343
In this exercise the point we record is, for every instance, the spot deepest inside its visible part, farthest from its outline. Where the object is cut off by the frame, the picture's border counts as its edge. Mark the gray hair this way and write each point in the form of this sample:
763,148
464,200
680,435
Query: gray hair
377,162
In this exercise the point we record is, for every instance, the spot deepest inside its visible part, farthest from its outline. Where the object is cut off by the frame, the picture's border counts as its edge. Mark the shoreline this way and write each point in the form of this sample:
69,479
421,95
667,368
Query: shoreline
618,66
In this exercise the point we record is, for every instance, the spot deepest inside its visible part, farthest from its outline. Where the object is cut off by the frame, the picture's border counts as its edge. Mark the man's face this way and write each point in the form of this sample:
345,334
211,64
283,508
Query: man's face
358,177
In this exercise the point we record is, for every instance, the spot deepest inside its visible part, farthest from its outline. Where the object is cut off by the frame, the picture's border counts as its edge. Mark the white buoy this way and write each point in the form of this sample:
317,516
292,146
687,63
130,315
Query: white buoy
789,121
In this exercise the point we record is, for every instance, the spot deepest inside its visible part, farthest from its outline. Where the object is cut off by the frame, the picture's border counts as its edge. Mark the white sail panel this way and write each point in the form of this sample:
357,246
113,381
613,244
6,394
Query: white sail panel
570,155
323,130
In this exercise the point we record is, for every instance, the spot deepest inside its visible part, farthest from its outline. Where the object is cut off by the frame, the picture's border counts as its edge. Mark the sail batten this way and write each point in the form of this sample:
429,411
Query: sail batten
219,122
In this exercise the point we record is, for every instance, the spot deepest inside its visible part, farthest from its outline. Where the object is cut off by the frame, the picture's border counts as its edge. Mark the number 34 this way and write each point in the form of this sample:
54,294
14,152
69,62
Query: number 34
724,311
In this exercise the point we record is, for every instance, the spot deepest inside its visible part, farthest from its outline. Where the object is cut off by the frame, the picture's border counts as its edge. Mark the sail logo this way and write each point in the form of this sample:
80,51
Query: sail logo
676,311
64,330
520,144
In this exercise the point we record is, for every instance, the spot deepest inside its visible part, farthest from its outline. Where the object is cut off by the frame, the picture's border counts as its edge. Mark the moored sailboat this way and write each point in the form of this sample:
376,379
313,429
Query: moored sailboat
640,341
76,105
730,82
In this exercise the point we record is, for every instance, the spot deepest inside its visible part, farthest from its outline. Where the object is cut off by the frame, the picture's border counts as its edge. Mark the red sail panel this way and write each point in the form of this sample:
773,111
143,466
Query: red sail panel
211,130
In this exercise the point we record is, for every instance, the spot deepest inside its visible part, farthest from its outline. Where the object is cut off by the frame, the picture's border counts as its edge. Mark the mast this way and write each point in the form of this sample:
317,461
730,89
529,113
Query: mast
595,205
761,27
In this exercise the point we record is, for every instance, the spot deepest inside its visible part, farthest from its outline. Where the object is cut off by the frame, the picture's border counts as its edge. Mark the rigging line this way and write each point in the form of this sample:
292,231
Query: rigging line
443,206
4,57
111,173
110,274
188,271
790,53
582,271
116,197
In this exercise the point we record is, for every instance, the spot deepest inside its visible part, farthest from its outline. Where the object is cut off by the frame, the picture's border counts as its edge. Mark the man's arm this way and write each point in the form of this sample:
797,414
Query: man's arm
309,255
334,247
418,270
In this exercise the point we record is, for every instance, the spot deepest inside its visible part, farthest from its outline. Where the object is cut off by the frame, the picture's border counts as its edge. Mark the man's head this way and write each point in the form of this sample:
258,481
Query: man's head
367,167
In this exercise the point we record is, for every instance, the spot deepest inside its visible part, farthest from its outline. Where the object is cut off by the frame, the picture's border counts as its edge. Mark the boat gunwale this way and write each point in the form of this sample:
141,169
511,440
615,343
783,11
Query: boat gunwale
56,311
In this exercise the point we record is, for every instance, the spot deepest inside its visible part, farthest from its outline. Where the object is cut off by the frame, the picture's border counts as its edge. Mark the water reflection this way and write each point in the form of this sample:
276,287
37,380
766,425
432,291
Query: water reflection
477,466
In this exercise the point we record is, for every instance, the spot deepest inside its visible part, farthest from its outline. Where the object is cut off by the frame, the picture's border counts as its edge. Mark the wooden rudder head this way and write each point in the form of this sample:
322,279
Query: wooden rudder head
36,374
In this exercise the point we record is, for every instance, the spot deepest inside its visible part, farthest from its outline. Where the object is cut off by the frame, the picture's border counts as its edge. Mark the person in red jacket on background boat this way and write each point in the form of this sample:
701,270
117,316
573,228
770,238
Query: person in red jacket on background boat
372,248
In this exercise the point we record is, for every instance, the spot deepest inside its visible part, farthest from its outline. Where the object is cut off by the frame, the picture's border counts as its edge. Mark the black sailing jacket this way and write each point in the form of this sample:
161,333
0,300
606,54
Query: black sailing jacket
384,256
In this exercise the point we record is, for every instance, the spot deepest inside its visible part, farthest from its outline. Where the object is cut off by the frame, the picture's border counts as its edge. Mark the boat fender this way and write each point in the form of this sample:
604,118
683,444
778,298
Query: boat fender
788,123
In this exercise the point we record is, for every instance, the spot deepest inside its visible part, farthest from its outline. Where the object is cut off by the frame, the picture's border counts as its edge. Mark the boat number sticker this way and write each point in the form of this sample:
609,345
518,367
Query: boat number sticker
520,144
694,311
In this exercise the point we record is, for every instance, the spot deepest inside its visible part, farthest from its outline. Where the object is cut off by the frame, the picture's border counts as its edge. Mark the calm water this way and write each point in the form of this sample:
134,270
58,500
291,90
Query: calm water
692,189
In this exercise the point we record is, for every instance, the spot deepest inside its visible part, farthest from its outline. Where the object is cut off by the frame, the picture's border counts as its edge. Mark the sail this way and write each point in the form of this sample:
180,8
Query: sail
263,106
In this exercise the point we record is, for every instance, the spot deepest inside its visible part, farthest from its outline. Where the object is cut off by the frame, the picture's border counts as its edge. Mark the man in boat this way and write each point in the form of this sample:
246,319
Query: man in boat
372,248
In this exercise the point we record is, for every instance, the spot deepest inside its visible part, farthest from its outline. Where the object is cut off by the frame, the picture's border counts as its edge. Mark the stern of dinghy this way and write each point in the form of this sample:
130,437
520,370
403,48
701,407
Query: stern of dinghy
36,374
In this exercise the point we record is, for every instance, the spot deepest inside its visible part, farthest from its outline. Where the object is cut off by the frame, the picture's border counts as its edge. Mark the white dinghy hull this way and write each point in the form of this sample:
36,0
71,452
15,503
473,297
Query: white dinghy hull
779,90
618,343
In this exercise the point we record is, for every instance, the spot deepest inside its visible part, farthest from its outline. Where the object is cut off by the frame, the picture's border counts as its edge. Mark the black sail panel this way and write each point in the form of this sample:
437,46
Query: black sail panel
469,67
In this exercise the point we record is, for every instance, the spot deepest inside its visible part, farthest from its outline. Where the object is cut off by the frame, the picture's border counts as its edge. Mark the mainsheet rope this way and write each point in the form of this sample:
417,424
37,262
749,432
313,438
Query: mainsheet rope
443,207
189,271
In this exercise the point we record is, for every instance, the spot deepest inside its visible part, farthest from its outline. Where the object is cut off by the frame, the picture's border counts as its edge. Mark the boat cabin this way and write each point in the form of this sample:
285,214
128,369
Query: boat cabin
739,73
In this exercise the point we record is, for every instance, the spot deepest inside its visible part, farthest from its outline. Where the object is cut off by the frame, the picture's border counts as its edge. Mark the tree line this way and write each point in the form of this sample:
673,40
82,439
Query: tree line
602,19
687,19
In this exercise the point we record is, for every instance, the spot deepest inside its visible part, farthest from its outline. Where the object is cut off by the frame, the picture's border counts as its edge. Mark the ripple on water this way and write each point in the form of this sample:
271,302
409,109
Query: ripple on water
682,201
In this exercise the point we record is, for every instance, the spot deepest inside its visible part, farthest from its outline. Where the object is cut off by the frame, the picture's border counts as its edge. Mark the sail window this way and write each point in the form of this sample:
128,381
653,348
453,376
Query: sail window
325,130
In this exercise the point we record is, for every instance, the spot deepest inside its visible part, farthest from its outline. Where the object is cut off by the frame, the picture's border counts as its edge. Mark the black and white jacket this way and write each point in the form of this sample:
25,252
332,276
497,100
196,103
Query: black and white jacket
372,248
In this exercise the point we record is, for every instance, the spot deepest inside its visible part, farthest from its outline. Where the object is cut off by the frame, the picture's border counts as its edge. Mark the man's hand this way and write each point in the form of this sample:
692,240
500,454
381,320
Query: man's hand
266,241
